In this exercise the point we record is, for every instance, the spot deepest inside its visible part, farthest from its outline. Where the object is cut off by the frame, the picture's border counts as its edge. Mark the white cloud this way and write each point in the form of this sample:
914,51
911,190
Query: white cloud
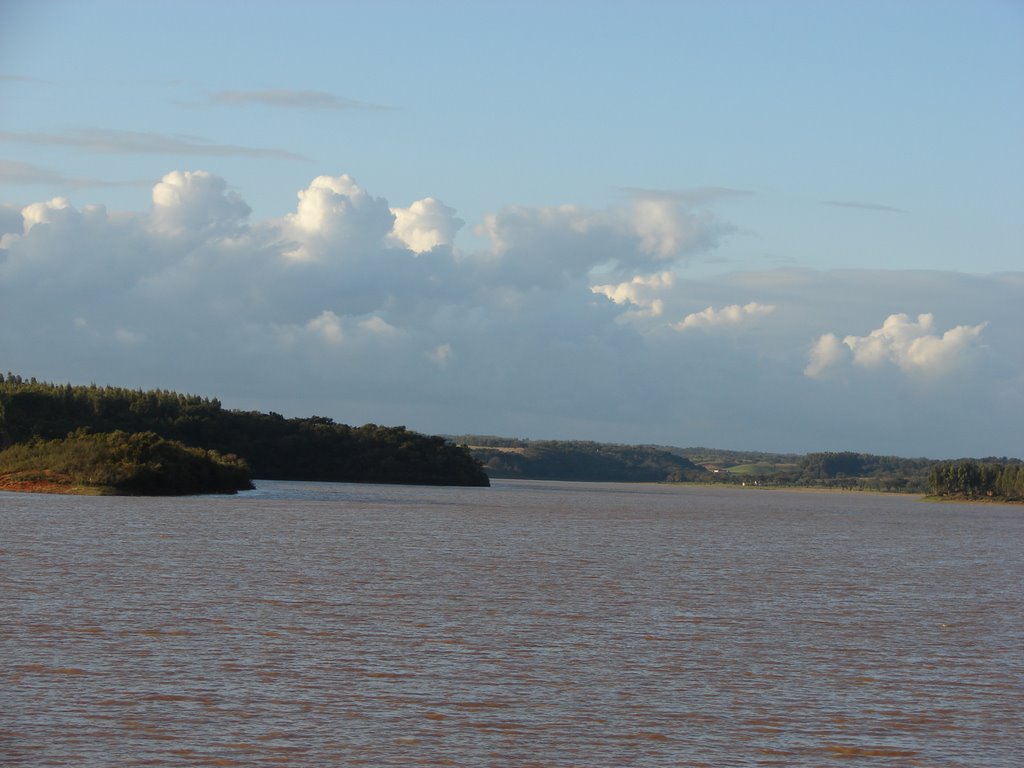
335,214
327,326
908,344
197,202
641,292
519,227
377,326
666,230
940,354
425,224
56,210
826,352
734,314
637,290
567,242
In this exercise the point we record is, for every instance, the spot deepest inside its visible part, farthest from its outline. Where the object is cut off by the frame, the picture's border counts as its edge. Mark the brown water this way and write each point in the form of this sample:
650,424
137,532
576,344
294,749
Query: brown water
528,624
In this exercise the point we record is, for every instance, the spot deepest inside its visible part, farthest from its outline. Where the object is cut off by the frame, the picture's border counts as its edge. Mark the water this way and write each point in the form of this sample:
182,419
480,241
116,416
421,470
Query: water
529,624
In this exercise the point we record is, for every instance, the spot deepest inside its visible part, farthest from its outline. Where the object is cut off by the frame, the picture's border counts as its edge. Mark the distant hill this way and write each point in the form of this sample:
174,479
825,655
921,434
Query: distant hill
580,460
275,448
507,457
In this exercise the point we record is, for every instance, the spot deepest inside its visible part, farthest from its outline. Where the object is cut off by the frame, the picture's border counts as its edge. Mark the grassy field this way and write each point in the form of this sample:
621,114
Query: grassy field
760,468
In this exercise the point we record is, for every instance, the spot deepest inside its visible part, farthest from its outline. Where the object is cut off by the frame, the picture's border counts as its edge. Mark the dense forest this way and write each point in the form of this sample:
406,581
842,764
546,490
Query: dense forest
142,463
970,479
275,448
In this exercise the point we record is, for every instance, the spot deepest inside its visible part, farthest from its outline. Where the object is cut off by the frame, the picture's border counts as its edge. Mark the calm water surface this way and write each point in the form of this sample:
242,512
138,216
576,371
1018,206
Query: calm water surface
529,624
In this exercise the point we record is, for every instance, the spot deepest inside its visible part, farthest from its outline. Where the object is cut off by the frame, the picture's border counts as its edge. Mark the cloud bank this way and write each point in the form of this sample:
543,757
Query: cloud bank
572,322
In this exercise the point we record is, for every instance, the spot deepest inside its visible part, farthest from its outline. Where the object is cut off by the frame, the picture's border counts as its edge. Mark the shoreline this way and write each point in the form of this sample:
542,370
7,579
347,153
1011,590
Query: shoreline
33,483
924,497
56,485
791,488
972,500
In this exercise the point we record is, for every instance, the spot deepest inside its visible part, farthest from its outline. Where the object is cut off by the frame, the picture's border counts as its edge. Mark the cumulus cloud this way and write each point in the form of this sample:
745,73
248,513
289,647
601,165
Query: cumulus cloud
908,344
378,326
327,326
425,224
734,314
197,202
49,232
556,244
335,214
826,352
641,292
56,210
666,230
61,220
321,332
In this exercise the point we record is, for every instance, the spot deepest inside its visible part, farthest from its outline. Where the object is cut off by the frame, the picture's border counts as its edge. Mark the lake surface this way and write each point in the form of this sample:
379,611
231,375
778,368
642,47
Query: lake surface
529,624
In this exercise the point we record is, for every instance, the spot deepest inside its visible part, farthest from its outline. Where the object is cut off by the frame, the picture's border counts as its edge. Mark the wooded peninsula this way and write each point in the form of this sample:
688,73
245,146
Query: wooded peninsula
118,440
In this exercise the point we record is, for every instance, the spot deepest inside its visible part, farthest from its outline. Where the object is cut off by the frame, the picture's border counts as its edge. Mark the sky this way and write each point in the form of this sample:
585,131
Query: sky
782,226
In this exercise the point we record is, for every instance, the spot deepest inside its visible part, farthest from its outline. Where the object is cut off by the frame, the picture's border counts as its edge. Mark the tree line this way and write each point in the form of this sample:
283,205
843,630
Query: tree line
971,479
845,470
859,471
275,447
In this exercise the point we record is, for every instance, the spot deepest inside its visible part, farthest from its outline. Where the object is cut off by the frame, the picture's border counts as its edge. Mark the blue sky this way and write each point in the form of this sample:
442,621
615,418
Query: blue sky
674,222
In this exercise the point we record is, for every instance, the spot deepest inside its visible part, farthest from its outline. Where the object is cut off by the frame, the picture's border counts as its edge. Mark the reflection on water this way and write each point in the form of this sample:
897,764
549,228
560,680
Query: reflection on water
540,624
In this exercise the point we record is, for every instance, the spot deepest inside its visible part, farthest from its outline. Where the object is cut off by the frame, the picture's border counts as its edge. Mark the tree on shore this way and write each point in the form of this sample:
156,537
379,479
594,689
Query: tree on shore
975,479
